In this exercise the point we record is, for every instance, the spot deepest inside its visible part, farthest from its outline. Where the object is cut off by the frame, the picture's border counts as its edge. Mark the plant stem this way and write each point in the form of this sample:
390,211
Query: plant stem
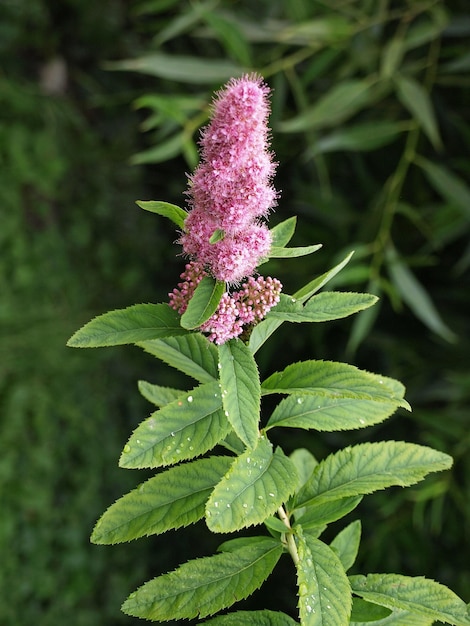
291,545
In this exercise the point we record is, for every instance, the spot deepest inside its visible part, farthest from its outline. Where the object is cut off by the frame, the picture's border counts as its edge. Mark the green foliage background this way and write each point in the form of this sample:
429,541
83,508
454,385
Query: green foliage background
371,129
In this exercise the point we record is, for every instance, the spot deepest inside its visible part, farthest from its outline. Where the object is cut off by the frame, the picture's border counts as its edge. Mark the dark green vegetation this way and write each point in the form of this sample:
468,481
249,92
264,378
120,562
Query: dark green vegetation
371,129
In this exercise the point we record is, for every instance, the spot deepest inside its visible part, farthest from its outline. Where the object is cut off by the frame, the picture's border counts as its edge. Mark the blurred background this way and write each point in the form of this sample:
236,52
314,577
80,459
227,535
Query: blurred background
101,103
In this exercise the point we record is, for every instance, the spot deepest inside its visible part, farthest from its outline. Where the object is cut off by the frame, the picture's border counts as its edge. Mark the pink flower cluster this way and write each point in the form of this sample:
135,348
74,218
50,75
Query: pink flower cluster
231,191
236,311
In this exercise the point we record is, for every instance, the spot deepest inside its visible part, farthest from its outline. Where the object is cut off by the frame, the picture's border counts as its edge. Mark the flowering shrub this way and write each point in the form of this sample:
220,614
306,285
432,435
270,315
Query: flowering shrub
217,318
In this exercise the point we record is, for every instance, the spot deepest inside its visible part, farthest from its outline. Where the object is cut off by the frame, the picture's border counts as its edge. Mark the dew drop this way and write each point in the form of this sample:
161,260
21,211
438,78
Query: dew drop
228,505
172,434
188,438
216,504
137,442
245,505
309,562
309,608
190,398
271,494
248,459
226,413
260,498
127,448
300,400
191,447
361,421
177,450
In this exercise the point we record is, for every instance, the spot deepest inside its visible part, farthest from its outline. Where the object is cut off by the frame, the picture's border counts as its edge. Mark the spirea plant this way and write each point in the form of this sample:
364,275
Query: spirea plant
212,451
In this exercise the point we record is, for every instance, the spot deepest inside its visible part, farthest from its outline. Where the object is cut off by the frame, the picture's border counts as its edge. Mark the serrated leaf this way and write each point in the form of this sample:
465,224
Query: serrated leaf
252,618
192,353
290,253
204,303
179,431
363,611
131,325
417,298
329,413
303,294
368,467
160,396
415,594
346,544
317,514
341,102
173,212
204,586
304,462
282,233
330,379
241,390
172,499
324,590
416,99
258,482
326,306
396,618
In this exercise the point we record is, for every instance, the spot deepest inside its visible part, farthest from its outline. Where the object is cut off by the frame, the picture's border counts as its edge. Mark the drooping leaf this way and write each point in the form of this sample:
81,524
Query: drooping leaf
160,396
329,413
204,586
415,98
363,611
290,253
304,293
131,325
181,430
418,595
324,590
282,233
334,380
346,544
171,499
252,618
358,138
258,482
193,354
368,467
317,514
204,303
173,212
241,390
416,297
450,186
340,103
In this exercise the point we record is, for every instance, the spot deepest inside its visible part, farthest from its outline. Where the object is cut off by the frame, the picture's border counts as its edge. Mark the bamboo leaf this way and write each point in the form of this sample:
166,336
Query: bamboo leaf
358,138
181,430
368,467
324,590
241,390
450,186
258,482
192,353
172,499
330,379
160,396
131,325
416,99
204,303
415,594
173,212
204,586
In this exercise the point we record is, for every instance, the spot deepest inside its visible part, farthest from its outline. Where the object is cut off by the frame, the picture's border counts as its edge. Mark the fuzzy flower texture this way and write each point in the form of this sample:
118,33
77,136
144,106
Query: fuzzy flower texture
230,193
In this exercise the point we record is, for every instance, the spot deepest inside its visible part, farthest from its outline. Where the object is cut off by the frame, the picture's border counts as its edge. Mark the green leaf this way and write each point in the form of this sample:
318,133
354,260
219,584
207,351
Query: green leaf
416,297
217,235
241,390
192,353
303,294
304,462
329,413
346,544
180,68
160,396
363,611
330,379
416,99
326,306
131,325
317,514
368,467
358,138
253,489
324,590
252,618
290,253
282,233
181,430
204,302
173,212
450,186
262,331
172,499
340,103
416,594
204,586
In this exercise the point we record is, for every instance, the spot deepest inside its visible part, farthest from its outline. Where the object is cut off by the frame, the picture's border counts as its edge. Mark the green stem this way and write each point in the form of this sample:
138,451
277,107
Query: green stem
291,545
